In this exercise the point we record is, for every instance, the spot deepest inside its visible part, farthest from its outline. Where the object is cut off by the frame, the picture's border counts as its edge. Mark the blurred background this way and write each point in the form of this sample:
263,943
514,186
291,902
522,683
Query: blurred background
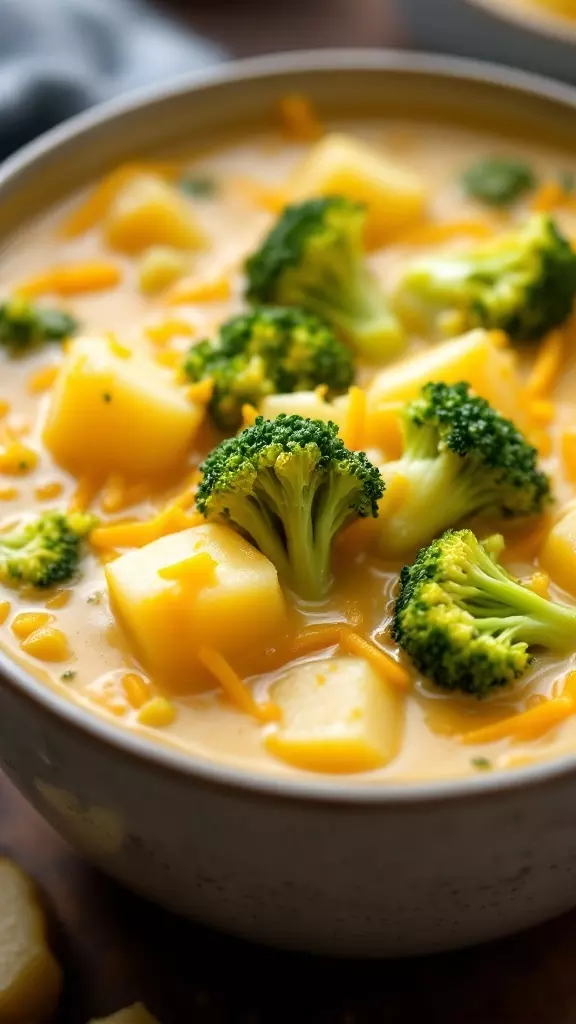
60,56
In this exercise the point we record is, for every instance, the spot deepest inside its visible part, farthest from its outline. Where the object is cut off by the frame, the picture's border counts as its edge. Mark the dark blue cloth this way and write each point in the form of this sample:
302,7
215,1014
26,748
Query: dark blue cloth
59,56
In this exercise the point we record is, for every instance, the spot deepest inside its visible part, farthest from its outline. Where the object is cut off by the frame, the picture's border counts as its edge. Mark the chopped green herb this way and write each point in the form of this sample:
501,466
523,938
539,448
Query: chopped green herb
481,763
498,181
198,186
107,396
95,598
68,675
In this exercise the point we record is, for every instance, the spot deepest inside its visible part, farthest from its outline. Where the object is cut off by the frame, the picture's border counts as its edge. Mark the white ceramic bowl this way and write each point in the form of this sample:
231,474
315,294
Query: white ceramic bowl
306,863
495,30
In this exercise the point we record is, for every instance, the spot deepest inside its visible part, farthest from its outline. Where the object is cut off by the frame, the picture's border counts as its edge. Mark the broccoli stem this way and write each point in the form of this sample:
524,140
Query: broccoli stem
488,594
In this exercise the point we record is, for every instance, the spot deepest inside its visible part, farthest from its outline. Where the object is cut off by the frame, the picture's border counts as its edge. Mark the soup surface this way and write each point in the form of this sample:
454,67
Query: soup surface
150,261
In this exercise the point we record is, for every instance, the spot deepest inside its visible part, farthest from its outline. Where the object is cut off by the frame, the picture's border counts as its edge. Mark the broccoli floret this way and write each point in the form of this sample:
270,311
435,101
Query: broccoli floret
313,258
466,623
498,181
24,325
461,458
289,485
523,282
45,550
269,350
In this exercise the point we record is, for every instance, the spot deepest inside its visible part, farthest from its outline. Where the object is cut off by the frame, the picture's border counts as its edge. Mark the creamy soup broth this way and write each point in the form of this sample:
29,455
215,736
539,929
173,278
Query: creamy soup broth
207,724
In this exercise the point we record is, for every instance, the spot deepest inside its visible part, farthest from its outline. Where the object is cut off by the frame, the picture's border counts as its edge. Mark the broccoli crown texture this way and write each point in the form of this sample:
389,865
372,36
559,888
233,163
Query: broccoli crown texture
290,485
313,258
523,282
461,458
24,325
498,181
466,623
45,550
269,350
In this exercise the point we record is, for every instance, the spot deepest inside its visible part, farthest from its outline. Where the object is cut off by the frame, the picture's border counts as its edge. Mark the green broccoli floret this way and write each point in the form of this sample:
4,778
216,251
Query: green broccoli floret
290,485
466,623
23,325
523,282
45,550
498,181
269,350
313,258
461,458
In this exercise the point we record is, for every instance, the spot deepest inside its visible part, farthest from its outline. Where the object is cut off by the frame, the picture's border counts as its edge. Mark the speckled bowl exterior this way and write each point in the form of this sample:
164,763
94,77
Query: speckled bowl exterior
495,30
309,863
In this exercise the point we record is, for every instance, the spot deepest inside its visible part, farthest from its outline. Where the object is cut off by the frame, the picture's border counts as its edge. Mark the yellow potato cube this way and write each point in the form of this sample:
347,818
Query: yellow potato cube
339,716
237,608
30,978
135,1014
159,267
340,165
304,403
476,357
558,554
116,411
148,211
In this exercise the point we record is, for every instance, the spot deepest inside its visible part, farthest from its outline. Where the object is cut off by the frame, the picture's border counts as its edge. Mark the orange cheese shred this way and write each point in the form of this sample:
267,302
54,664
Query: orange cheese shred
299,119
381,662
196,290
234,687
42,380
138,534
548,365
354,428
528,725
74,279
201,392
272,198
96,205
435,232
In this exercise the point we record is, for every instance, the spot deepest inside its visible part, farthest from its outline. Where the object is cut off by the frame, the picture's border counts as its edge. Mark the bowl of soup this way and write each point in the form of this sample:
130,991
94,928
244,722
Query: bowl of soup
536,35
287,482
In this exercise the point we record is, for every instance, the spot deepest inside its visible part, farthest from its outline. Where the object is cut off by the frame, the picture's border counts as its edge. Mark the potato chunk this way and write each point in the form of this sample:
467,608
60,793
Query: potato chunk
558,554
340,165
135,1014
305,403
237,607
30,978
339,716
115,411
148,211
476,357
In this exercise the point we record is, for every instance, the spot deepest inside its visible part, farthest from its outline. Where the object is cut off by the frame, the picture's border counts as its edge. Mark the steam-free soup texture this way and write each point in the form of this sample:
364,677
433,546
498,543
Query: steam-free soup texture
242,611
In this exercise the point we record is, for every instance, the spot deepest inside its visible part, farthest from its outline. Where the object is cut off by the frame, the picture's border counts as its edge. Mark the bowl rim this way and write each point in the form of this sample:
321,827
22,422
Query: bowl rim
173,760
538,23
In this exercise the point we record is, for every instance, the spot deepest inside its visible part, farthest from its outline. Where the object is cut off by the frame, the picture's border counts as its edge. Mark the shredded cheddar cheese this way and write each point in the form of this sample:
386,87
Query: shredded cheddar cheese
49,491
74,279
137,534
137,690
201,392
528,725
192,290
86,491
299,119
353,431
4,611
436,232
42,380
249,414
235,689
157,713
383,664
17,459
95,207
26,623
163,333
271,198
548,365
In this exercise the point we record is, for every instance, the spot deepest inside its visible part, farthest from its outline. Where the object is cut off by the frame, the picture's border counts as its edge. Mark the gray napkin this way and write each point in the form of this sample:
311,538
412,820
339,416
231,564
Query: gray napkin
59,56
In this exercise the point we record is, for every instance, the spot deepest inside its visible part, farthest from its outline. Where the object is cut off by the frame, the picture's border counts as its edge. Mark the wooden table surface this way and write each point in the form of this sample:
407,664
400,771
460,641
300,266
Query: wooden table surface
115,948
